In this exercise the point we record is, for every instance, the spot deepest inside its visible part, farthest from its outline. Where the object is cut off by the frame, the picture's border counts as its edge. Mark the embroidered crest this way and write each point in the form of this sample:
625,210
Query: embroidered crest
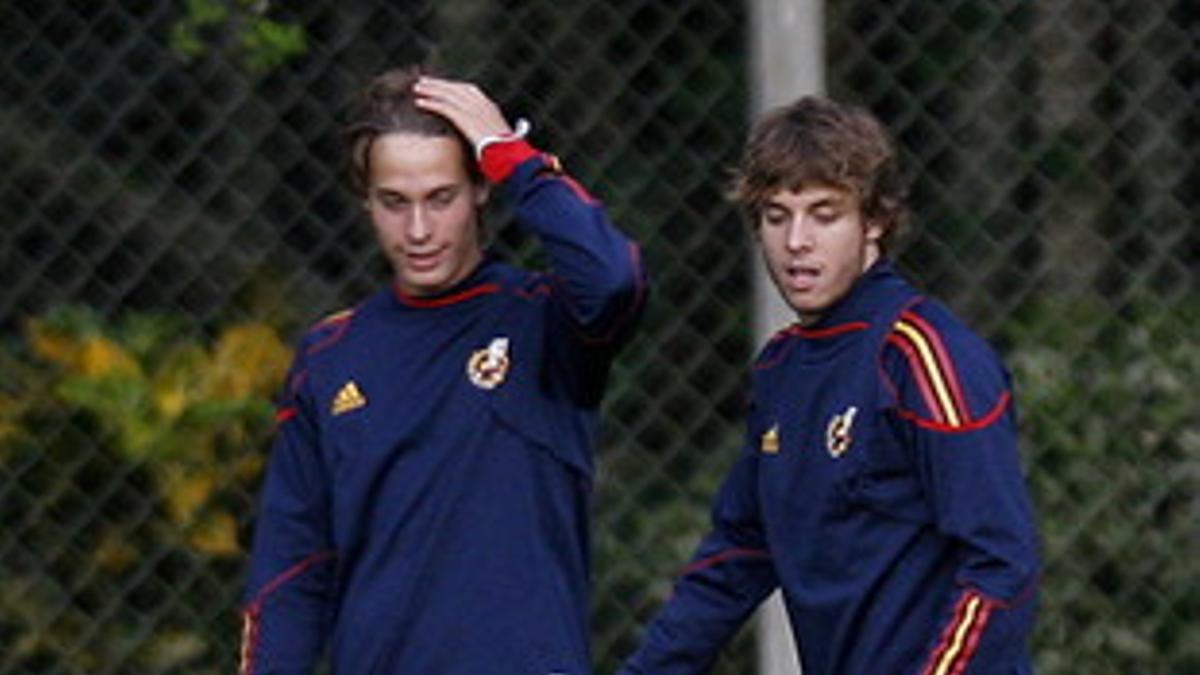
770,440
839,434
488,367
348,398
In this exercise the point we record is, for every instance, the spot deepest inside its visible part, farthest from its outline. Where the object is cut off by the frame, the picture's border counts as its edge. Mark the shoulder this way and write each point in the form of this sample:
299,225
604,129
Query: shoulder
928,328
537,168
941,371
515,282
775,349
328,331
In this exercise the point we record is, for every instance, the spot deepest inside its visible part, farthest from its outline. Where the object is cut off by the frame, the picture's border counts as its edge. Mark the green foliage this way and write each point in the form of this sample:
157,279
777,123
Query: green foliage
269,44
261,44
1111,419
130,453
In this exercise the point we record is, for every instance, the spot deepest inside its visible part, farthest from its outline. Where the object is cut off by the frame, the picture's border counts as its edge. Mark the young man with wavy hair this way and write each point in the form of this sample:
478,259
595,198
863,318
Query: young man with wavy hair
426,506
879,485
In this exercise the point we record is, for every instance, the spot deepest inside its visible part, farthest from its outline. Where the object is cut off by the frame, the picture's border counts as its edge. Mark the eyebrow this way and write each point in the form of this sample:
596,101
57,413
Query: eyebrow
831,200
383,191
825,201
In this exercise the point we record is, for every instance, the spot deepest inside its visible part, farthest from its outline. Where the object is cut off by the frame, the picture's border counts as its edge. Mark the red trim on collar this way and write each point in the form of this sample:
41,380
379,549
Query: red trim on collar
832,331
442,301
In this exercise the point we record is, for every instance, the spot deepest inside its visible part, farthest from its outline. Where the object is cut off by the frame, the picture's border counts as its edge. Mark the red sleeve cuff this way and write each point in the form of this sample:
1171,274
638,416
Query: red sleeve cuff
501,159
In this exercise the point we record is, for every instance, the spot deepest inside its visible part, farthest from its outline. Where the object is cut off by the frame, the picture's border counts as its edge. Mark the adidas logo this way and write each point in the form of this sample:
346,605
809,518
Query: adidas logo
770,440
348,398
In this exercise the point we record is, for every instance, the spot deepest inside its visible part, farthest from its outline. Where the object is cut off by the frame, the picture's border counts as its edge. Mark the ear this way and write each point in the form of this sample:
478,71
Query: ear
874,231
482,192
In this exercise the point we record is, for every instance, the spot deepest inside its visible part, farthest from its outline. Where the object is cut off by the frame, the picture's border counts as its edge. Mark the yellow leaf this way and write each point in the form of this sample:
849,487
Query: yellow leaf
101,356
170,402
216,535
52,345
249,360
248,467
179,381
187,491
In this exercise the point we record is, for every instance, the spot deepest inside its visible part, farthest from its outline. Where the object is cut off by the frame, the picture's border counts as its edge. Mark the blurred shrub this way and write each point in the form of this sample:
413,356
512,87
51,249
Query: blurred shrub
130,452
1111,419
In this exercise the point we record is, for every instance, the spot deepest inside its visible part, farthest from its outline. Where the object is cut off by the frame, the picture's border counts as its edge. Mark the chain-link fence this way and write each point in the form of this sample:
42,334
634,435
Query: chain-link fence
174,211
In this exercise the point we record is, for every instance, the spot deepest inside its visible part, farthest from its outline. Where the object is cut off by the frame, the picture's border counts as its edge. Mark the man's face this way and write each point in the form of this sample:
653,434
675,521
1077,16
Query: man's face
816,244
425,210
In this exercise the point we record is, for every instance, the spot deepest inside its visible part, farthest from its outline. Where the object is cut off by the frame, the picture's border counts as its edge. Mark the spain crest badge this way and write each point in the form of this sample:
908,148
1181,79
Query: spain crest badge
839,435
488,367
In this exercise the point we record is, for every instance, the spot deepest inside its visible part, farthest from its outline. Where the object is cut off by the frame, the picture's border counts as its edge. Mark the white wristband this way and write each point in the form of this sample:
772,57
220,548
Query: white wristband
520,132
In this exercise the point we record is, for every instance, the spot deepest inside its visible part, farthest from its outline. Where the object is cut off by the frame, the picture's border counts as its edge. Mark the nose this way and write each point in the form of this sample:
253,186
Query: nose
799,235
420,228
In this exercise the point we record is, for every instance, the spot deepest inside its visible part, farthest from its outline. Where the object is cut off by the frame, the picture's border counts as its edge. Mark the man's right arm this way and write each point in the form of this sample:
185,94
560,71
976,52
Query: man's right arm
289,591
729,576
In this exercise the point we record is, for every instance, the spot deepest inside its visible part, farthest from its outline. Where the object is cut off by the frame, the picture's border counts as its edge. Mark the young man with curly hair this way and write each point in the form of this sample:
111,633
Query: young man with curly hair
879,485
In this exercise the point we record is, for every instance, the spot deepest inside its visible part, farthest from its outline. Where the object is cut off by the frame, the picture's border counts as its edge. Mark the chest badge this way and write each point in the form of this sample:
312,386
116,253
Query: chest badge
839,435
488,367
348,398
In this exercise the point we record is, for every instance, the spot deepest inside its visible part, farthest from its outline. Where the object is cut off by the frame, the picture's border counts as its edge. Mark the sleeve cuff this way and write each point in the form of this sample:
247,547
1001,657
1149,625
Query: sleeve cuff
499,160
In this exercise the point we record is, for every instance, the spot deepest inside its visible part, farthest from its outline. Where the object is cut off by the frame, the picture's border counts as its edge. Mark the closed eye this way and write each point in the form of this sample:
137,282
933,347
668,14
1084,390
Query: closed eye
775,215
826,215
443,197
391,201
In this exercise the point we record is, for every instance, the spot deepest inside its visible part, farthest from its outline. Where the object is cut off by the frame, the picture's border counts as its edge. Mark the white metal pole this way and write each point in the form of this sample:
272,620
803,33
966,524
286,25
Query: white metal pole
787,39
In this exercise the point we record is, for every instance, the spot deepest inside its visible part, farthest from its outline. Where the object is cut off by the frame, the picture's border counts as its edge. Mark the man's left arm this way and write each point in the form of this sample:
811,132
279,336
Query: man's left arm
597,270
954,397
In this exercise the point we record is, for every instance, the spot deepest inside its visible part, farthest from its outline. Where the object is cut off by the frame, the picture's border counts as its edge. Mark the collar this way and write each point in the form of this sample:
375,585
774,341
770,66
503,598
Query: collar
483,280
860,305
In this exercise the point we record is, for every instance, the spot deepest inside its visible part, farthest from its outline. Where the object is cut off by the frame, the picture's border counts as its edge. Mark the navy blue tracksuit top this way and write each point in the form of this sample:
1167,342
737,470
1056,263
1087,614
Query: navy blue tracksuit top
426,503
880,488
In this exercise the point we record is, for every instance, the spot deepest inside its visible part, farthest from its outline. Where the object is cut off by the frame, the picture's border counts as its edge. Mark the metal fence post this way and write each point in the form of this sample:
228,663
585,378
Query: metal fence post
787,46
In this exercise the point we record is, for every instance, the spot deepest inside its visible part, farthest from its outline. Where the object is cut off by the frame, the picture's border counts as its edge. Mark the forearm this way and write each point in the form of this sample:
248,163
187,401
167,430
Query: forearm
729,576
597,270
981,634
716,593
285,621
289,589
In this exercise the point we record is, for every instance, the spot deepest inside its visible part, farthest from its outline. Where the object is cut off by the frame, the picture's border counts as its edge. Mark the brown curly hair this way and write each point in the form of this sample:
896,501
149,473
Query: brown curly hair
817,141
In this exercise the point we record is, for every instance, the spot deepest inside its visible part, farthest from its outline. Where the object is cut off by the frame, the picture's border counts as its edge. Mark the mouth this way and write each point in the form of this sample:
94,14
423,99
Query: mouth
422,261
802,276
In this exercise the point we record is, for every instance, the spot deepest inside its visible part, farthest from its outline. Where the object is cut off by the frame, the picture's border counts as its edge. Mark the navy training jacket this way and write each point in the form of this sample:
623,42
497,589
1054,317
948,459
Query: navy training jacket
880,487
426,506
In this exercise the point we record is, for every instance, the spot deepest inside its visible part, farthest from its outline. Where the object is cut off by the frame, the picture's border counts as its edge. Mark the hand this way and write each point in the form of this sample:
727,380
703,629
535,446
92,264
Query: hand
466,106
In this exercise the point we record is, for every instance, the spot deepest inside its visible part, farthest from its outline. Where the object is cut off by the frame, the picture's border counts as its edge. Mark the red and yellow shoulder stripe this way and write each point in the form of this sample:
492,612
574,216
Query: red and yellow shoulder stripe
933,370
937,379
